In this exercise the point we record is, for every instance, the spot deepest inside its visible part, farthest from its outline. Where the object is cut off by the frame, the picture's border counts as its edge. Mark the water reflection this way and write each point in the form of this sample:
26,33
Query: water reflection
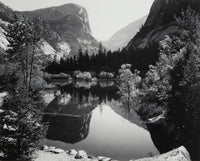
111,135
93,117
108,92
65,104
69,129
95,120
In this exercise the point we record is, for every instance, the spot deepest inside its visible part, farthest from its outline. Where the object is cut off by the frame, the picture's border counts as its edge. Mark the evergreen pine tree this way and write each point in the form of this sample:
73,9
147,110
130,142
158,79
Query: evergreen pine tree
21,129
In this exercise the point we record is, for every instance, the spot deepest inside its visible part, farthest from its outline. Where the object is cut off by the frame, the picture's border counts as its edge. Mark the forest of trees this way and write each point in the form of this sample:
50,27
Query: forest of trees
21,129
107,61
170,91
171,88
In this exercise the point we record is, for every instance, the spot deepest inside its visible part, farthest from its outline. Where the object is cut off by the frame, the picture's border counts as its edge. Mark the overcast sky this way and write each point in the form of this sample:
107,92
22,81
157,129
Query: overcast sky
106,16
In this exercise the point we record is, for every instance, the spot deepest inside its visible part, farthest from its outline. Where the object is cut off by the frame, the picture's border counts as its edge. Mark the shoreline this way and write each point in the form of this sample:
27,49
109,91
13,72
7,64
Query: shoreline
54,154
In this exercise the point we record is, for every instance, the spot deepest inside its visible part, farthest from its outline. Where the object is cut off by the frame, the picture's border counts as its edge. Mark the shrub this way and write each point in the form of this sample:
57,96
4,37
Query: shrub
82,75
48,76
106,75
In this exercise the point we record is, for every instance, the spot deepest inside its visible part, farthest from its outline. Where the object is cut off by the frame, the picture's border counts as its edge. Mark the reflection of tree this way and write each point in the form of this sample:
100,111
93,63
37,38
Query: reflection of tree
69,113
130,115
69,129
69,117
84,84
106,83
128,85
103,93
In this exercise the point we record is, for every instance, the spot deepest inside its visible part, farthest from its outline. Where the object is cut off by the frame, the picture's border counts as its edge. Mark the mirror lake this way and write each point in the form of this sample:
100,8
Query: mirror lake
91,116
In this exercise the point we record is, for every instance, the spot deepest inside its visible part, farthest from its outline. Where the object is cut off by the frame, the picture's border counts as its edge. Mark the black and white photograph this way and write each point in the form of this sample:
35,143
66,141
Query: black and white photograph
99,80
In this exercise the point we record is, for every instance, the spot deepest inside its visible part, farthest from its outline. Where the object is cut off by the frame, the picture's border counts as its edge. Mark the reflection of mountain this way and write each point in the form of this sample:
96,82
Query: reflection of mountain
69,113
69,117
128,114
68,129
74,106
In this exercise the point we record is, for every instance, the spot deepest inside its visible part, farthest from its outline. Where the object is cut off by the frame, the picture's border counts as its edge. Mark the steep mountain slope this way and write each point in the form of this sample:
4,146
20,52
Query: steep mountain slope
121,38
6,14
67,26
161,21
71,28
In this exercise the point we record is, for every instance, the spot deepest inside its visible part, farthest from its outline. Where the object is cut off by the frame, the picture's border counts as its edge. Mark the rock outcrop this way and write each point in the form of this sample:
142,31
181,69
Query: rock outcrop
70,28
53,154
180,154
67,26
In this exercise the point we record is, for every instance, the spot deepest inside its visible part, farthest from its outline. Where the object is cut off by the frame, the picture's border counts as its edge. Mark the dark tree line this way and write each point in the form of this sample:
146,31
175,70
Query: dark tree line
107,61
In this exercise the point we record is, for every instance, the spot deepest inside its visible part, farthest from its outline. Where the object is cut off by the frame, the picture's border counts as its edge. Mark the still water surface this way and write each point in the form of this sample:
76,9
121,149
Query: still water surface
94,120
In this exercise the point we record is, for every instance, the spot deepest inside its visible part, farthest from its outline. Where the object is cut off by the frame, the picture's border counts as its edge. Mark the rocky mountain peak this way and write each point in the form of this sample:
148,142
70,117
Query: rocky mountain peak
161,21
68,29
72,11
163,11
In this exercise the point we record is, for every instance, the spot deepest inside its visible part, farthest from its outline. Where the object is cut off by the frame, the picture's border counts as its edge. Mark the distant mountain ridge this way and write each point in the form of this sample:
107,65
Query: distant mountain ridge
122,37
68,29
